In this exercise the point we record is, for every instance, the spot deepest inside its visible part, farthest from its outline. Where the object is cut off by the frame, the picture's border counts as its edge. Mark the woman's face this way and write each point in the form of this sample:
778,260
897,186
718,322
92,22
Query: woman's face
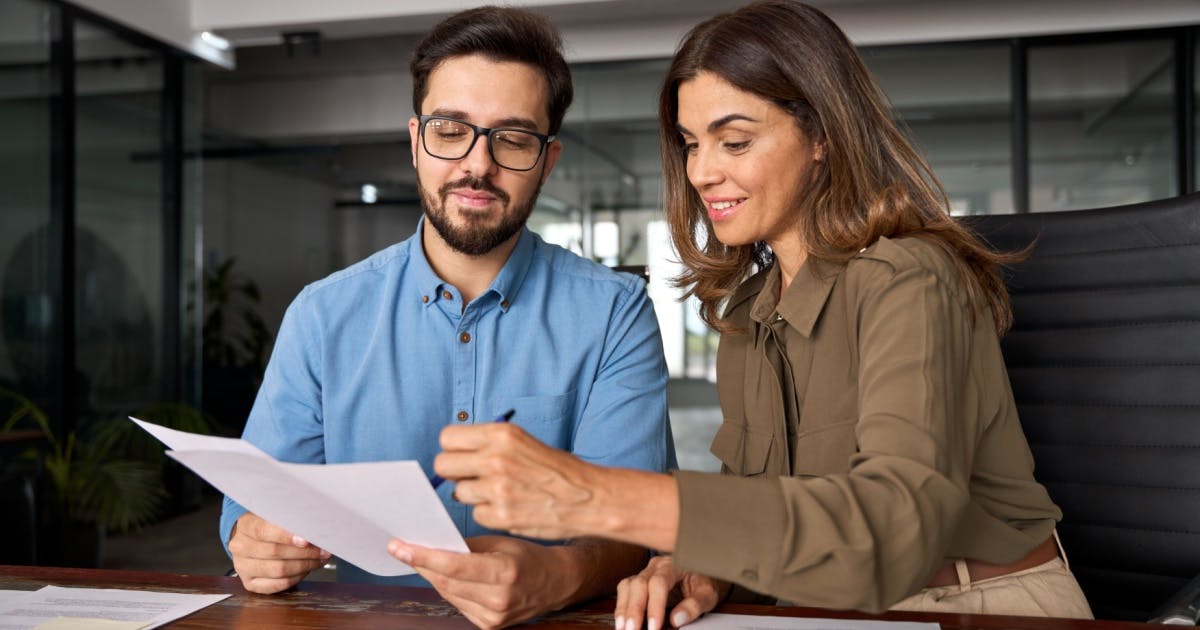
748,160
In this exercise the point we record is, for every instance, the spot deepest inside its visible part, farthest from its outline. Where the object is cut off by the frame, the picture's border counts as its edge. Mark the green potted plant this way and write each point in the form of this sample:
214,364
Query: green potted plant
84,489
235,343
126,440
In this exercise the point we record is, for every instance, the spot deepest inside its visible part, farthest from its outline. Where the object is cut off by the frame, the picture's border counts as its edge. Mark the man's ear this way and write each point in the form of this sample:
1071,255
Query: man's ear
414,133
553,151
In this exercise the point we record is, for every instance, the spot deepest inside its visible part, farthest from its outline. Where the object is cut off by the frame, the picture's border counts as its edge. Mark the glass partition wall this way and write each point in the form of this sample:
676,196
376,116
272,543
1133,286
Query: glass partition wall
93,292
1102,130
28,249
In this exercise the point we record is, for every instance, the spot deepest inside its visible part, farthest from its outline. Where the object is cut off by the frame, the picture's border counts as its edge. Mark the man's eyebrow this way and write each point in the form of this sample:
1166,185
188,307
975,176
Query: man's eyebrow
716,124
518,122
449,113
514,121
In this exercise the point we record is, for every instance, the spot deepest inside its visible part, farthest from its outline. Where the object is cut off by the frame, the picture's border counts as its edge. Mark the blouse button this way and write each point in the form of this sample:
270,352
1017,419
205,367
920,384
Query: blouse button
446,295
462,416
424,299
504,304
465,337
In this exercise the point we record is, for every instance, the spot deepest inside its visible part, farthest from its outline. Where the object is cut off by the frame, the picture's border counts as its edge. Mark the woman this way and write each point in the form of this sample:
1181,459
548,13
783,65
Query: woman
873,453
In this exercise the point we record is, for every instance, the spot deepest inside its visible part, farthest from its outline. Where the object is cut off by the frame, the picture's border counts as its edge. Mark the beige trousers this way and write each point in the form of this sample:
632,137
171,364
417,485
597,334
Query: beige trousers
1047,590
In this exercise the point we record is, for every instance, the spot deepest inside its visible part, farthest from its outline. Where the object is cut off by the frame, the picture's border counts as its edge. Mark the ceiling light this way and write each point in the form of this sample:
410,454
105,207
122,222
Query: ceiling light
370,194
216,41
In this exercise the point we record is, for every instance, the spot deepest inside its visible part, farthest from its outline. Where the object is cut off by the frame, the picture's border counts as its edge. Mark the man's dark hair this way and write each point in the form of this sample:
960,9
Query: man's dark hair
500,34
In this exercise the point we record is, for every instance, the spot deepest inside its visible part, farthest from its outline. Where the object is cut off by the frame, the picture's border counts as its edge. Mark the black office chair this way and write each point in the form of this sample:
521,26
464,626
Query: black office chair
1104,359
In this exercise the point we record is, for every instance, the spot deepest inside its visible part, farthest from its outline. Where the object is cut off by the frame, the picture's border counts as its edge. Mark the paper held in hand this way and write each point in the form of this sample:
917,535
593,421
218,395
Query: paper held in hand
349,510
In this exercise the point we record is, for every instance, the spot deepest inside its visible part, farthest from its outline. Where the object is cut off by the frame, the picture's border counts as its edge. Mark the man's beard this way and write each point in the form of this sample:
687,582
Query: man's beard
474,238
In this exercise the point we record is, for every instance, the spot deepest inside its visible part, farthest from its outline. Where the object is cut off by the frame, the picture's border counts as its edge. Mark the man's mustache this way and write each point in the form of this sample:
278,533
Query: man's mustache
473,183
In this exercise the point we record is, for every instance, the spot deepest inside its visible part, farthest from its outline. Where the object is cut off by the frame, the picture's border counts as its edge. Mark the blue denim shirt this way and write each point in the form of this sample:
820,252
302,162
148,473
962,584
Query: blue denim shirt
371,362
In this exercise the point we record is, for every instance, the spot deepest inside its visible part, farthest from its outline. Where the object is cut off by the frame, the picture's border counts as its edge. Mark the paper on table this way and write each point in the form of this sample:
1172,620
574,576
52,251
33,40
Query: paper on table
721,621
88,623
59,607
350,510
7,596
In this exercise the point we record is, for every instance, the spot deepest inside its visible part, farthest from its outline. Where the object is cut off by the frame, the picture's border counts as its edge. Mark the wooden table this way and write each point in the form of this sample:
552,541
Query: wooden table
330,605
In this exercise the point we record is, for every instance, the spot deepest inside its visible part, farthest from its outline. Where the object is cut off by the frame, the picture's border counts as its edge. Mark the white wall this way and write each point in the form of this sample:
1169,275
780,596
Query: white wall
598,30
169,21
278,226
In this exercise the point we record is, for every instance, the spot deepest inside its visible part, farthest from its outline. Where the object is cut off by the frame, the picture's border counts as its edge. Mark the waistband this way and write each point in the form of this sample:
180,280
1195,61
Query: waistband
977,570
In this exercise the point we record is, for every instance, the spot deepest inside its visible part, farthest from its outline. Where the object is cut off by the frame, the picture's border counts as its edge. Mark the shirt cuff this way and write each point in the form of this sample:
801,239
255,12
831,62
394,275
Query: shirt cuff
730,527
231,511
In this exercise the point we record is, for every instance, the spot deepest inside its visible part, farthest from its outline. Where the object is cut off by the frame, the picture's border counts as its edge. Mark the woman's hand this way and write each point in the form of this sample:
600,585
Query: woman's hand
520,485
646,594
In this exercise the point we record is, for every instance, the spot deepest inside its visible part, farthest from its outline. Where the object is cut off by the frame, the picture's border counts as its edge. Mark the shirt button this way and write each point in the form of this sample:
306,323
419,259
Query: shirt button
465,337
504,304
424,299
462,416
446,295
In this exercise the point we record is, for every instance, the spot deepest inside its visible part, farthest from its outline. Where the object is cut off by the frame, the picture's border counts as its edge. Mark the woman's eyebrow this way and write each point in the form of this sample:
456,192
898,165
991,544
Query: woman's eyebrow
716,124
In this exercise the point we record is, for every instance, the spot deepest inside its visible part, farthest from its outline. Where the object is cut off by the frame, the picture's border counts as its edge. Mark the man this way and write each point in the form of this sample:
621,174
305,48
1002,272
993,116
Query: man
471,316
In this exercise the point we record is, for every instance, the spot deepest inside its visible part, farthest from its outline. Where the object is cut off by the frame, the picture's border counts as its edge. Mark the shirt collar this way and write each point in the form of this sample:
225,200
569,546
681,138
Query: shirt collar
506,285
512,275
804,300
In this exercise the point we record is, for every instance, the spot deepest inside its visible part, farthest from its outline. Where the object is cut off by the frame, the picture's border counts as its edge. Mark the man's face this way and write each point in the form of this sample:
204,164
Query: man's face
473,203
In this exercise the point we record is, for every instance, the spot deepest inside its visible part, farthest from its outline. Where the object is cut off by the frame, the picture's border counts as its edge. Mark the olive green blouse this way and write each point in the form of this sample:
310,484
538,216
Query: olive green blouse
869,436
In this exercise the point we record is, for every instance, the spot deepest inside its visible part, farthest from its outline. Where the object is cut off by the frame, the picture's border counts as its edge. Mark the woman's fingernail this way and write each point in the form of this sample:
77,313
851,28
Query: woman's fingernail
402,554
679,619
619,623
651,624
299,542
325,555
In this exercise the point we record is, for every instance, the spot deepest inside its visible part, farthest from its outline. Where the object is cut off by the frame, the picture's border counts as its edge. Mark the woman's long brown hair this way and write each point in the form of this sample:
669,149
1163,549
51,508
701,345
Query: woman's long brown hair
870,183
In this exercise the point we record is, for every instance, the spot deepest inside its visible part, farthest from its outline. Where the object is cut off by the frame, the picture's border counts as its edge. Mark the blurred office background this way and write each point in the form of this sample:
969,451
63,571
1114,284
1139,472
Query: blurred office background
173,172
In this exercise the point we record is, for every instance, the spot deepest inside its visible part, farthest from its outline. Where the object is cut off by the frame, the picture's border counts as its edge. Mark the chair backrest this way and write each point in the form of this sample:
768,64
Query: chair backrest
1104,360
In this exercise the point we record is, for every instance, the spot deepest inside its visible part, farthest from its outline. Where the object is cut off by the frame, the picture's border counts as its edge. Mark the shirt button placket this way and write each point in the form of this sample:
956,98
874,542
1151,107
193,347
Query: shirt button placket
465,384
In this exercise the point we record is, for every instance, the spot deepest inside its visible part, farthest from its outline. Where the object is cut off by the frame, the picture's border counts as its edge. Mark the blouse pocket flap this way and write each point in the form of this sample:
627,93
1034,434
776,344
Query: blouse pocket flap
742,450
826,449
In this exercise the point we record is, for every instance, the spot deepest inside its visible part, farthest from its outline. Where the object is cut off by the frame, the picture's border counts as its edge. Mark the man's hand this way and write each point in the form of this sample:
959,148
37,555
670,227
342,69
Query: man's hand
646,594
270,559
502,581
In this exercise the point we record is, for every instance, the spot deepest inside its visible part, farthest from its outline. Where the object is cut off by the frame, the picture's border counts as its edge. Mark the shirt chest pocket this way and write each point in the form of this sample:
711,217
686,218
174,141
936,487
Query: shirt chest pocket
825,450
743,450
550,419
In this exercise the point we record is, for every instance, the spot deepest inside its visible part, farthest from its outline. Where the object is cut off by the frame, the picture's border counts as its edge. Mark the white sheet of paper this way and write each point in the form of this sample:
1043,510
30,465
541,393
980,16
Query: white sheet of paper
350,510
721,621
54,606
7,597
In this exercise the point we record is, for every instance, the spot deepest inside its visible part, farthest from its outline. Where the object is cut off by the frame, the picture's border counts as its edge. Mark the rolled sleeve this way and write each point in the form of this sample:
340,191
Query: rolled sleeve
624,422
712,506
286,419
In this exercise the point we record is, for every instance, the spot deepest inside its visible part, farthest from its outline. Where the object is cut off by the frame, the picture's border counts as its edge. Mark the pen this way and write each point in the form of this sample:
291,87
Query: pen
437,480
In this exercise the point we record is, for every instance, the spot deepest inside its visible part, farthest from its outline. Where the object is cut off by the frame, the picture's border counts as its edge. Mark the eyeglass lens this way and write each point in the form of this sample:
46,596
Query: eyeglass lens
452,140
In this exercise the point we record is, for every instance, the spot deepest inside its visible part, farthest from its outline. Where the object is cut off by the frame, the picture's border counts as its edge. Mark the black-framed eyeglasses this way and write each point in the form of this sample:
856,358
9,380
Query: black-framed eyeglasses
452,139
